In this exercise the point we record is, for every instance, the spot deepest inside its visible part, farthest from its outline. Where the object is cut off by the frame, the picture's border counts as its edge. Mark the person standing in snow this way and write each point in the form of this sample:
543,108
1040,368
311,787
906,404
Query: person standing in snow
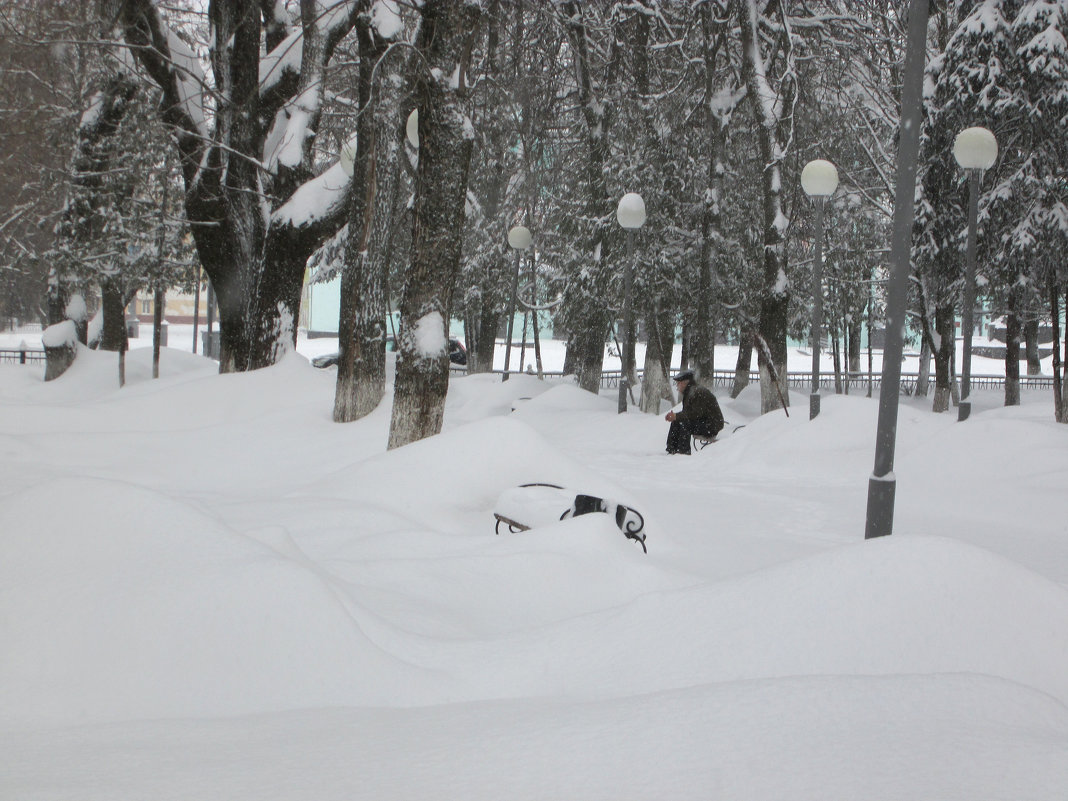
700,414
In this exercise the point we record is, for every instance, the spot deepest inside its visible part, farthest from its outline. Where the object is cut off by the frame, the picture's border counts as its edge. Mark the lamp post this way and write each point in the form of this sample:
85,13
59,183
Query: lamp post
519,238
882,484
819,179
976,150
631,216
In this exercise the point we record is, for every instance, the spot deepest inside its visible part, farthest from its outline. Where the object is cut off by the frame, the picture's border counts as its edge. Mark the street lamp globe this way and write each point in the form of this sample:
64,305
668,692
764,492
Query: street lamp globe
411,128
975,149
819,178
631,211
347,157
519,237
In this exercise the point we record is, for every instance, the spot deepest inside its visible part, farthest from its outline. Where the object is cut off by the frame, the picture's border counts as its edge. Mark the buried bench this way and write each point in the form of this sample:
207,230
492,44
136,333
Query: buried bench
531,505
700,441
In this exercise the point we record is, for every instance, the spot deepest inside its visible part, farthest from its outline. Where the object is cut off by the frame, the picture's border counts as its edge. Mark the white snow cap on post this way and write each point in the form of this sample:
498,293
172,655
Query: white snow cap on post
411,128
347,157
819,178
975,149
631,210
60,335
520,237
76,309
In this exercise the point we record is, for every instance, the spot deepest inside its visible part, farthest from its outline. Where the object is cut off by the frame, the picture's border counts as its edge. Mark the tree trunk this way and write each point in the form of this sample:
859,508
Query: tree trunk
586,294
836,357
160,298
253,228
1064,366
775,298
743,365
854,326
656,380
927,338
1030,333
945,333
923,377
446,36
717,117
113,335
1058,390
1012,349
361,373
489,320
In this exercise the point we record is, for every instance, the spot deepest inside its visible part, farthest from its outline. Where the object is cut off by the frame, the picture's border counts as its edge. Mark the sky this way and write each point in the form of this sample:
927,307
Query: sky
210,590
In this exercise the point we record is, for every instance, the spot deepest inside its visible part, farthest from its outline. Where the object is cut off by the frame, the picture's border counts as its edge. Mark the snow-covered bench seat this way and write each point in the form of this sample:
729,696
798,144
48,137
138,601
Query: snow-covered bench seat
531,505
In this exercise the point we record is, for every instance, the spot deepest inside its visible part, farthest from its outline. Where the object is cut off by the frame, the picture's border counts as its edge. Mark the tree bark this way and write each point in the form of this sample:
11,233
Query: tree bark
717,117
1030,334
446,36
361,320
945,332
923,377
1012,348
489,320
255,260
586,295
1058,390
113,335
771,114
656,379
159,299
854,326
743,365
1064,366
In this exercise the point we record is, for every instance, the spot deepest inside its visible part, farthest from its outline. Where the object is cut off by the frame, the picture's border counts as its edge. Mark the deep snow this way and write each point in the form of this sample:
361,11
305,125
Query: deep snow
208,590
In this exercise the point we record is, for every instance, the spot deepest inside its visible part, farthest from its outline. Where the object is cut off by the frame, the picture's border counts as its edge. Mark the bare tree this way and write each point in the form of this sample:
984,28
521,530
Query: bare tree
257,201
774,109
446,38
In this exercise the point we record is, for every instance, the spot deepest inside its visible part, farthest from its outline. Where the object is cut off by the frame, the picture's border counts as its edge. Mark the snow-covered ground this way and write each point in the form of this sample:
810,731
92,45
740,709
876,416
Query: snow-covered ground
209,590
180,337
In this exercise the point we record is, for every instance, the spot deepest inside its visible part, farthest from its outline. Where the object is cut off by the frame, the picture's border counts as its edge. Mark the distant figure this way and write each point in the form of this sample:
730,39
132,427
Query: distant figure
700,415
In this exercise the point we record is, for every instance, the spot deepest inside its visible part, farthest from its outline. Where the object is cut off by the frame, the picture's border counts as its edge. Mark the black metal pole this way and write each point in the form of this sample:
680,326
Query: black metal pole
882,484
817,312
625,348
964,409
196,305
511,318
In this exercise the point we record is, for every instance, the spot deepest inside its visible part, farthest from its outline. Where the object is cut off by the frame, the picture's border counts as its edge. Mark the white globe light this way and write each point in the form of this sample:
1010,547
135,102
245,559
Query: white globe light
975,149
520,237
631,211
819,178
411,128
347,157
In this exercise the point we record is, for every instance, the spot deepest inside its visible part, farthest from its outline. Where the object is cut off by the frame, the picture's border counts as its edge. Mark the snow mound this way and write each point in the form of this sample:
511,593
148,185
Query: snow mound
484,458
94,375
162,611
481,395
903,605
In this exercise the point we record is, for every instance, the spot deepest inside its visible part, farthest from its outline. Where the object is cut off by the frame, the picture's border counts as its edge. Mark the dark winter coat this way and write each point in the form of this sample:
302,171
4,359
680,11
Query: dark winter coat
698,403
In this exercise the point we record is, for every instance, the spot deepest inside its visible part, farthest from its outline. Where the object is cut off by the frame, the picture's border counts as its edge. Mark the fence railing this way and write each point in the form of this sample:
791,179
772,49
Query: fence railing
720,378
22,356
803,380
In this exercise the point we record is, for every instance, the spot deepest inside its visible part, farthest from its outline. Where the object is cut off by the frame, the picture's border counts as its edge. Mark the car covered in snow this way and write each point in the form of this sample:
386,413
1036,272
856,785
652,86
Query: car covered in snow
457,354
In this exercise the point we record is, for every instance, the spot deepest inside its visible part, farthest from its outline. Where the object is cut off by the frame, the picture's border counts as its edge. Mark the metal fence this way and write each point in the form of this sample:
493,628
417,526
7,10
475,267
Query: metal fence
803,381
720,378
21,356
